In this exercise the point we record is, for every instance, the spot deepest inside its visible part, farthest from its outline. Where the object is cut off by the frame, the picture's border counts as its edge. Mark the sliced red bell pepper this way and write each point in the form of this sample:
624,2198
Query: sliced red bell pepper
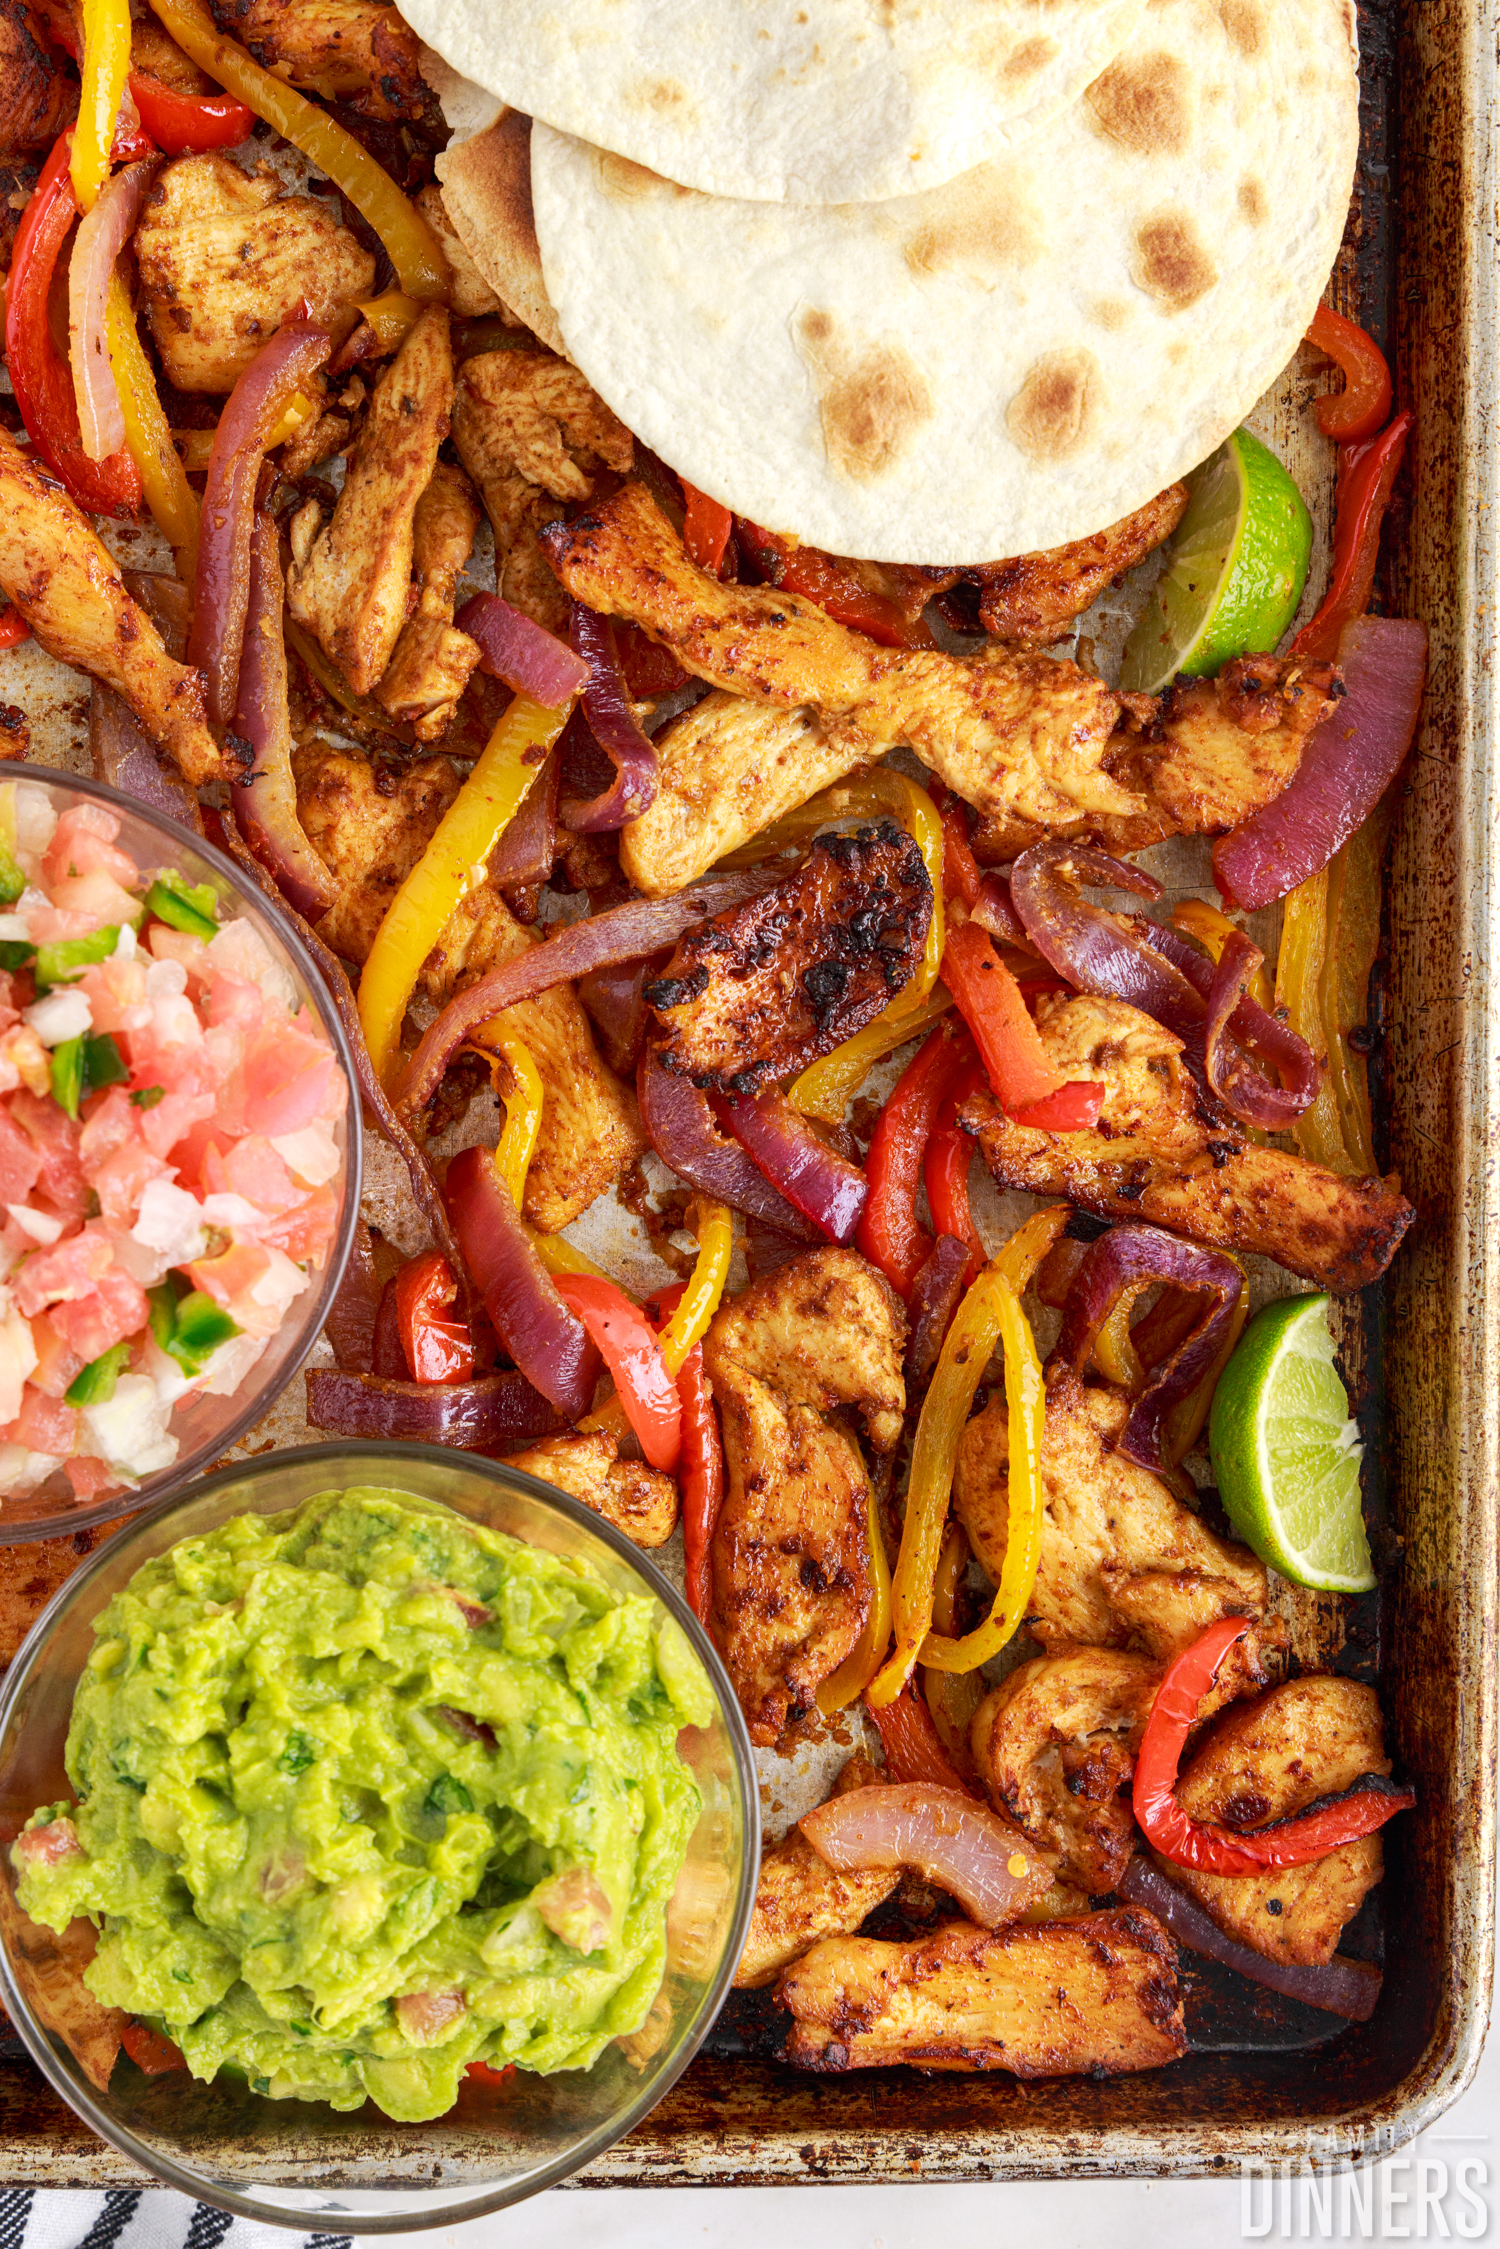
1073,1108
435,1349
149,2050
1010,1045
836,589
646,668
40,375
961,870
628,1344
1360,408
1367,474
890,1234
484,2074
706,528
913,1746
13,627
945,1172
1223,1850
179,122
700,1469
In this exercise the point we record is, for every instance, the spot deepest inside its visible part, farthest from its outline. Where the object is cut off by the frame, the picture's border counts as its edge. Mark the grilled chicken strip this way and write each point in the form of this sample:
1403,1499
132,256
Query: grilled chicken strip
534,437
755,995
1041,2000
350,580
1123,1562
1268,1760
1020,736
34,89
346,50
799,1898
638,1500
1033,598
225,256
370,833
1158,1152
433,661
791,1562
69,589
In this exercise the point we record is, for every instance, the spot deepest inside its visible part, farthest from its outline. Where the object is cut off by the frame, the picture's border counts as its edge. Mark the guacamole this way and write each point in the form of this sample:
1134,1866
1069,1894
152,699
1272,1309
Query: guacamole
367,1793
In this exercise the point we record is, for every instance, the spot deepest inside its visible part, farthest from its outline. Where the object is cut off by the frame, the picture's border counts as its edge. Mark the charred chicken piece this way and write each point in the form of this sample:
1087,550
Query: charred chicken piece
1055,1744
1268,1760
799,1898
70,591
370,828
1046,1999
534,437
1123,1562
225,256
754,996
791,1562
1159,1152
1219,748
35,92
350,579
1033,598
638,1500
346,50
433,661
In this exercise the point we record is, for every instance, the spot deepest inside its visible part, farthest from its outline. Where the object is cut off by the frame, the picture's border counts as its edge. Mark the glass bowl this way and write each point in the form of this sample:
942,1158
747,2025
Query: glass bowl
206,1427
302,2164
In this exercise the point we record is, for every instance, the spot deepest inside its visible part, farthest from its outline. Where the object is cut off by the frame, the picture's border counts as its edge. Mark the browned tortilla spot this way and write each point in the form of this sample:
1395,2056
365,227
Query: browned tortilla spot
872,398
1170,262
1253,201
1244,24
659,94
1055,410
980,226
1142,104
1026,60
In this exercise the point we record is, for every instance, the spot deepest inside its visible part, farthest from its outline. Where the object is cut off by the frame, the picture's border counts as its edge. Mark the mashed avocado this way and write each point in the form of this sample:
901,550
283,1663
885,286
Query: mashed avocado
367,1793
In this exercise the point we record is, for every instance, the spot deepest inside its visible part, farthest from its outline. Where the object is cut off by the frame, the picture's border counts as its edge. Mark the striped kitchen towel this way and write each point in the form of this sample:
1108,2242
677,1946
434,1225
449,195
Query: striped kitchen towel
153,2218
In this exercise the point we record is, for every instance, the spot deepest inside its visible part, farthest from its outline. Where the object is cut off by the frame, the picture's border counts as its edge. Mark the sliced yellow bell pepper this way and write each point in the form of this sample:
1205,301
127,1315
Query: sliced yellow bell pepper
864,1659
1299,991
713,1224
1114,1353
173,502
1196,918
990,1312
452,865
519,1086
413,248
392,317
825,1089
103,68
193,446
560,1256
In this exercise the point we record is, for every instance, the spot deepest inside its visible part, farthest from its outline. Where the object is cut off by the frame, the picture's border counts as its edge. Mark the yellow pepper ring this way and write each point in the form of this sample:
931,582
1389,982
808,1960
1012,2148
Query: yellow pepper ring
452,865
392,316
864,1659
522,1096
990,1312
713,1223
103,69
414,250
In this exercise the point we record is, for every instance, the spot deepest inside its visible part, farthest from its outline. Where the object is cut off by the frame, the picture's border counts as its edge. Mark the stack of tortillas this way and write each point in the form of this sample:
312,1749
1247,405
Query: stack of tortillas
924,281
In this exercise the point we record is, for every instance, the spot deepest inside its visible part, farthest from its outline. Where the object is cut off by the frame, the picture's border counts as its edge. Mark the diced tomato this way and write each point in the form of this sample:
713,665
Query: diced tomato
253,1169
97,896
88,1476
288,1080
64,1274
93,1324
50,926
56,1362
55,1137
122,1179
50,1845
232,1002
43,1424
168,944
307,1228
110,1123
490,2079
20,1160
156,2055
116,992
83,843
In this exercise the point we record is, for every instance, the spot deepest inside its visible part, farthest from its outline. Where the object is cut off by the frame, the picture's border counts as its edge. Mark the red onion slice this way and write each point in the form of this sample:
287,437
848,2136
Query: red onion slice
995,912
548,1343
1259,1101
265,806
123,754
815,1179
102,235
526,850
350,1326
934,1300
615,728
1339,1986
1124,1257
222,590
513,647
624,933
616,1002
477,1416
680,1127
977,1855
1348,763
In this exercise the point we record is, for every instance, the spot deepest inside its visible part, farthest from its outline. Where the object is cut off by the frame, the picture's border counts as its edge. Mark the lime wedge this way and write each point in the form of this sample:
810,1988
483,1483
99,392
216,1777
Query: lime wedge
1235,570
1286,1453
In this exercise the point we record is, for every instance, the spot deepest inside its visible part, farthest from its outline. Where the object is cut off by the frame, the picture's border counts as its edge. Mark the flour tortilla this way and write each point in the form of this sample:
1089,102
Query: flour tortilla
485,180
814,101
1010,362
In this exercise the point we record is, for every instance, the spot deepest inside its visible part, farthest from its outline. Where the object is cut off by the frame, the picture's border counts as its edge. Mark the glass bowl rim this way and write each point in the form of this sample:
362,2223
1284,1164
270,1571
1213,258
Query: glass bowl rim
88,2105
168,1482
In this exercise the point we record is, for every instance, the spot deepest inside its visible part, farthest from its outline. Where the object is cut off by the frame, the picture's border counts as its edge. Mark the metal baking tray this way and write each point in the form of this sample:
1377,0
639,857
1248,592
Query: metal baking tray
1263,2080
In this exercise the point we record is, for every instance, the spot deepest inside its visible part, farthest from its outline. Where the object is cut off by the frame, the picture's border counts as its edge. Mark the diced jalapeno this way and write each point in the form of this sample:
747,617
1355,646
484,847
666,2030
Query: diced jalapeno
96,1385
191,907
67,1075
448,1795
147,1096
70,956
200,1327
161,1303
12,881
103,1063
15,953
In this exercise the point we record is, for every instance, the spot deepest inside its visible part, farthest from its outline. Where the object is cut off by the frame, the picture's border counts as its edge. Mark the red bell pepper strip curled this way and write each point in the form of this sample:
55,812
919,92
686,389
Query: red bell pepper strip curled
436,1349
913,1746
1360,408
180,122
700,1470
1073,1108
1222,1850
961,871
628,1344
40,375
890,1234
1367,474
705,530
990,1002
945,1172
13,627
836,589
149,2050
